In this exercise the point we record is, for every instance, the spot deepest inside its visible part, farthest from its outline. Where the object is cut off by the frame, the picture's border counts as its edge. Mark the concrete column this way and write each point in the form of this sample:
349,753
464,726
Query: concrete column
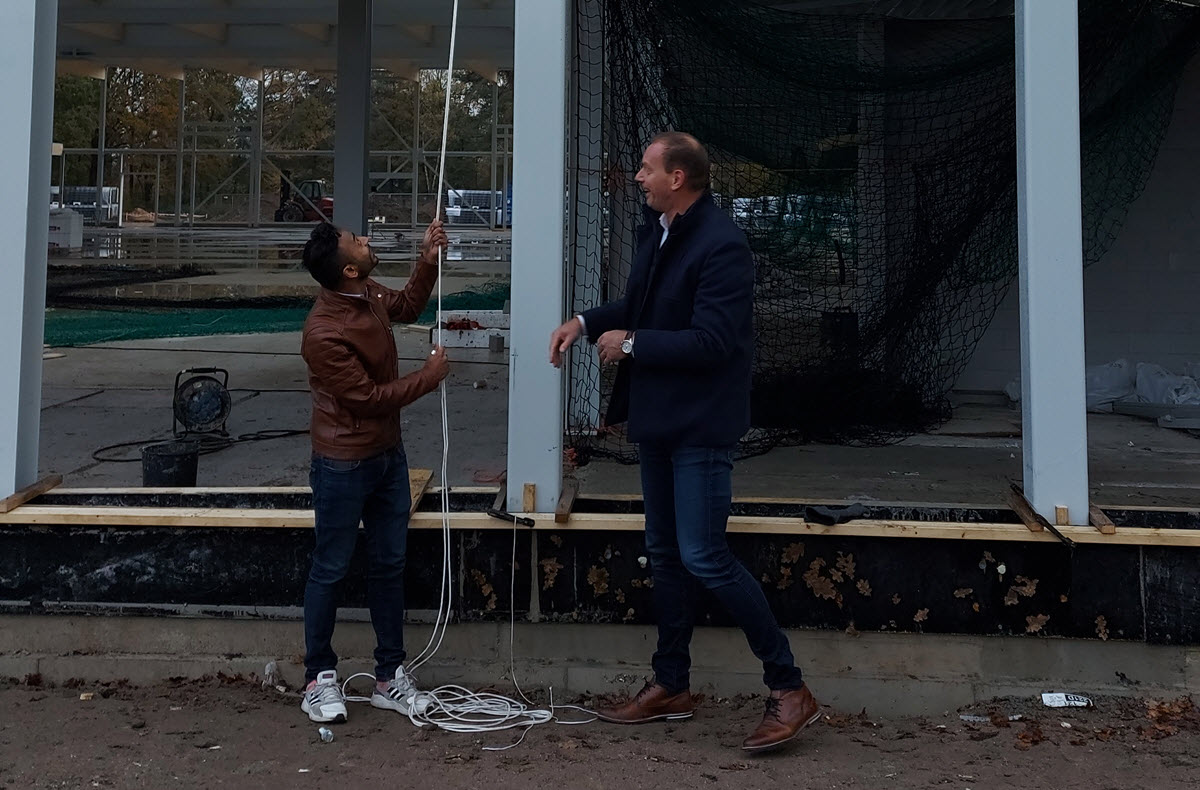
1049,224
535,401
351,151
28,39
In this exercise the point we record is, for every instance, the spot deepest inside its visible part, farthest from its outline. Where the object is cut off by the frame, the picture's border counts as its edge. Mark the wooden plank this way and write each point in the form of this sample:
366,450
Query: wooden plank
29,492
501,502
239,490
418,484
141,517
529,498
1062,515
566,500
1029,517
1101,521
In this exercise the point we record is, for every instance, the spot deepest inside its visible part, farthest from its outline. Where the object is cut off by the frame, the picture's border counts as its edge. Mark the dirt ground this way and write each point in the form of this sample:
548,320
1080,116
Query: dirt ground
230,732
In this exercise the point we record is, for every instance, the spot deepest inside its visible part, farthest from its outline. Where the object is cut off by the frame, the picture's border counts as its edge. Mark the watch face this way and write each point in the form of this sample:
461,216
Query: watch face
627,346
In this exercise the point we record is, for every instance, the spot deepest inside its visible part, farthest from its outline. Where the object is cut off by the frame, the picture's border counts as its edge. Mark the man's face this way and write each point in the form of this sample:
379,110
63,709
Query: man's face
357,257
654,180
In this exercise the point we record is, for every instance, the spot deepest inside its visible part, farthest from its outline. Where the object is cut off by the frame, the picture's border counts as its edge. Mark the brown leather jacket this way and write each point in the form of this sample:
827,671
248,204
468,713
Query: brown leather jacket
357,390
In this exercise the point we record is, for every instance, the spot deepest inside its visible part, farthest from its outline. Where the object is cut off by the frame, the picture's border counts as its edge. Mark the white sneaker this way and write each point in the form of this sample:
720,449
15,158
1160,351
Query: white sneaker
325,702
402,695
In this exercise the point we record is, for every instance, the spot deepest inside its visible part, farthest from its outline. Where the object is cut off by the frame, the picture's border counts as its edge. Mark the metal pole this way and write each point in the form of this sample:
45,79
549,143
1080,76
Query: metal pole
180,131
507,152
495,121
416,151
351,156
256,170
192,210
121,191
157,185
102,128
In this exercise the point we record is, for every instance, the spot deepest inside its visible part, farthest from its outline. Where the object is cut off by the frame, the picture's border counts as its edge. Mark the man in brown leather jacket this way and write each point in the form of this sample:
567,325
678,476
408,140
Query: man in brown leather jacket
359,470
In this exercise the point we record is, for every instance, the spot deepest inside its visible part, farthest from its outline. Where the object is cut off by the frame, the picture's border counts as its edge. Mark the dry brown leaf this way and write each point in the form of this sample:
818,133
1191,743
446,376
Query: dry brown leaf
1034,623
864,588
598,578
921,616
845,563
793,552
963,592
550,568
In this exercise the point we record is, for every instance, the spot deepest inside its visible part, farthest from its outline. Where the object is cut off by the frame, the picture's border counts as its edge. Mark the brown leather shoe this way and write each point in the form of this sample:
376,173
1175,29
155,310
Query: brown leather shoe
787,713
652,703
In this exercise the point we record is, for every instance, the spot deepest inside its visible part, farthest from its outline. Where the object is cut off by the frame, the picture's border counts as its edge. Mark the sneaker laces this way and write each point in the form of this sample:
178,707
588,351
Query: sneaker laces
326,692
772,707
403,683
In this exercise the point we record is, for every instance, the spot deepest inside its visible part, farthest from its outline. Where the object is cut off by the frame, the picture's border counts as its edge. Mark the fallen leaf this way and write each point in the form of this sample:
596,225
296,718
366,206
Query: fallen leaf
963,592
1034,623
793,552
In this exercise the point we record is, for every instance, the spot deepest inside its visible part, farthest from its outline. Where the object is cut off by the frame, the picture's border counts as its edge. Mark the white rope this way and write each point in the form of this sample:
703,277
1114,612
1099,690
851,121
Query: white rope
451,707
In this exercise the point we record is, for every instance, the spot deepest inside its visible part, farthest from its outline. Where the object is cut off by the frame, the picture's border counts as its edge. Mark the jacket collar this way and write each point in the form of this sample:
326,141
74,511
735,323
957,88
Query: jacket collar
336,298
683,223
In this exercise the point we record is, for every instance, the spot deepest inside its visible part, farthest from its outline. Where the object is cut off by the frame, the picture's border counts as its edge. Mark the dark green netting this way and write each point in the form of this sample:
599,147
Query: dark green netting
871,160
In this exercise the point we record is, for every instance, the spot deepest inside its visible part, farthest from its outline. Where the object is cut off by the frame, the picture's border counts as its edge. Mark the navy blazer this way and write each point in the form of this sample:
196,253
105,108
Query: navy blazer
691,305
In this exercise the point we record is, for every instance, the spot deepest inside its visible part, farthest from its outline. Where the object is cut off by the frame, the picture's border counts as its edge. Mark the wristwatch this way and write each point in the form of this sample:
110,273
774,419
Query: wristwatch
627,344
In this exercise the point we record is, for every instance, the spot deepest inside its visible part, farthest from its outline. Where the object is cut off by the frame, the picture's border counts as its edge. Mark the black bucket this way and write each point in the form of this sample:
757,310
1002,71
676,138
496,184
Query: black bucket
170,464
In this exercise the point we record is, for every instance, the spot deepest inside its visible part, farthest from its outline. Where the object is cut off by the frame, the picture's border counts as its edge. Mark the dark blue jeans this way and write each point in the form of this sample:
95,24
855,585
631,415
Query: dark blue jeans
375,492
688,491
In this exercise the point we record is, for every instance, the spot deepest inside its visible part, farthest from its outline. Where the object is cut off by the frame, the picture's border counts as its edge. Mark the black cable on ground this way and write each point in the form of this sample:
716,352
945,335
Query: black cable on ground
209,443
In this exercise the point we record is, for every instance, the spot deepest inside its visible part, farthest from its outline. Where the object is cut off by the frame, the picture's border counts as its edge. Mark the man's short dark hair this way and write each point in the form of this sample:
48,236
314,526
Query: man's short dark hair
321,256
683,152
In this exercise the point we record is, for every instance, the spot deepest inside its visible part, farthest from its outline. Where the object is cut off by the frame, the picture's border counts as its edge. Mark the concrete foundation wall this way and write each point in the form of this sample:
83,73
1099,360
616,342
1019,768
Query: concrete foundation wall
900,674
1142,299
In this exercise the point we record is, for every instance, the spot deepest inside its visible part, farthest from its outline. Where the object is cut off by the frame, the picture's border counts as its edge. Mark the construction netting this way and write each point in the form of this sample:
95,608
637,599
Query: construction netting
870,157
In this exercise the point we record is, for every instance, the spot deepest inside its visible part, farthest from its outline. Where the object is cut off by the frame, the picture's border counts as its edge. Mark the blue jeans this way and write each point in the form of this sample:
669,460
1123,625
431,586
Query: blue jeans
374,491
688,491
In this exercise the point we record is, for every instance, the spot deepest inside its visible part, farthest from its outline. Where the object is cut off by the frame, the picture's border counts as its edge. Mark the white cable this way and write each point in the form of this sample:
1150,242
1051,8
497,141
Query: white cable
451,707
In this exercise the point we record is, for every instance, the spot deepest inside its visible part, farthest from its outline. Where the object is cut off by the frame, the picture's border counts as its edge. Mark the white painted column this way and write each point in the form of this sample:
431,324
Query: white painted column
27,39
535,393
1049,222
351,149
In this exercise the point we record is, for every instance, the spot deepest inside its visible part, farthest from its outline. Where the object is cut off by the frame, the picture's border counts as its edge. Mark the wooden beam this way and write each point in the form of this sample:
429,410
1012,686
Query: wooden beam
1101,521
418,484
529,498
566,500
141,517
1020,505
29,492
1033,520
1062,515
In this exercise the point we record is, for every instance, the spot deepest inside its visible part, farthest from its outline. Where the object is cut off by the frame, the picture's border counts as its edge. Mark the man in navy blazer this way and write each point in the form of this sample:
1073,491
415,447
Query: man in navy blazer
683,339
